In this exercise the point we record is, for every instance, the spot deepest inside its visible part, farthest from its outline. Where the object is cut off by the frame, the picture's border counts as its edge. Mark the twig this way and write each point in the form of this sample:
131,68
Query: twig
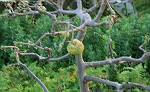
141,47
22,14
103,81
94,7
29,44
42,37
52,4
111,10
94,24
33,75
130,84
28,71
110,48
79,4
100,12
46,59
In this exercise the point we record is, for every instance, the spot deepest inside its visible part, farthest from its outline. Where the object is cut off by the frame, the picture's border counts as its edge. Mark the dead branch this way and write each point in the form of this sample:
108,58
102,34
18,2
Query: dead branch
118,61
116,84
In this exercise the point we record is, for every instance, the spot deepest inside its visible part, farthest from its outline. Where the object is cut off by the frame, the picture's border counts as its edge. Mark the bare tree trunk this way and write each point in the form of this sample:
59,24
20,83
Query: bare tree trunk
81,73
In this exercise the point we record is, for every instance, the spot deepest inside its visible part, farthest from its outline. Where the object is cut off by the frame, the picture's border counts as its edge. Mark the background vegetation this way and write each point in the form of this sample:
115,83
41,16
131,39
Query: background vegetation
127,34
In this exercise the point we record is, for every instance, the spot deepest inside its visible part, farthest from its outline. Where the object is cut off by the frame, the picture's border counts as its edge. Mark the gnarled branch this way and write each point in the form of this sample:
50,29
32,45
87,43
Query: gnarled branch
118,60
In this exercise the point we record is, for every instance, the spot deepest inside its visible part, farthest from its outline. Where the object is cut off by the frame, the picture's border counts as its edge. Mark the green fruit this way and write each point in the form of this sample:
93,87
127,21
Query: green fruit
43,8
75,47
65,34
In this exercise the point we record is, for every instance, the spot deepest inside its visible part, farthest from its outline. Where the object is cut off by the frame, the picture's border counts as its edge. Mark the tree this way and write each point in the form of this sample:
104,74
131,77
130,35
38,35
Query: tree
75,46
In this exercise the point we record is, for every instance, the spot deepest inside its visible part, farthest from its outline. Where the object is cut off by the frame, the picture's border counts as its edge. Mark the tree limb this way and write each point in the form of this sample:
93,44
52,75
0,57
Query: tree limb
101,10
118,60
116,84
94,7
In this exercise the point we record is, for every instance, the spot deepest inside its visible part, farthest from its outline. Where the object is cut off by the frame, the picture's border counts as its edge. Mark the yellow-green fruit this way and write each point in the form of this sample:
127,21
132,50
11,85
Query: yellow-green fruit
65,34
43,8
75,47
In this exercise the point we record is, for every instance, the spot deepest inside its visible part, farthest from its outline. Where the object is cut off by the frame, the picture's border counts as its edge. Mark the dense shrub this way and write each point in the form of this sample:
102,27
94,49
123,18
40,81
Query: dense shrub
142,6
129,34
15,79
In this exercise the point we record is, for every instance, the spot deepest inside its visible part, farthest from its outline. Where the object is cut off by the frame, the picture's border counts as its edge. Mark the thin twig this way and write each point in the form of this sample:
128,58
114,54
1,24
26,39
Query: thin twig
33,75
141,47
94,7
100,12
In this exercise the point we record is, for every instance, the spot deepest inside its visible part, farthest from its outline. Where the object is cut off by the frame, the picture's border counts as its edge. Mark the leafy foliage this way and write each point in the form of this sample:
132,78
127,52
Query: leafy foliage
15,79
142,6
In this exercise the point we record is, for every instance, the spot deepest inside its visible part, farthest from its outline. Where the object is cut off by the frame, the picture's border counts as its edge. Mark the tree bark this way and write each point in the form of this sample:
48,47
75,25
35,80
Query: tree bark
81,73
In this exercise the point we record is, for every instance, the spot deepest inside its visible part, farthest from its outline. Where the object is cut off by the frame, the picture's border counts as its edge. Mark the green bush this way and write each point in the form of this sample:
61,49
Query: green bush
129,34
142,6
21,29
15,79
